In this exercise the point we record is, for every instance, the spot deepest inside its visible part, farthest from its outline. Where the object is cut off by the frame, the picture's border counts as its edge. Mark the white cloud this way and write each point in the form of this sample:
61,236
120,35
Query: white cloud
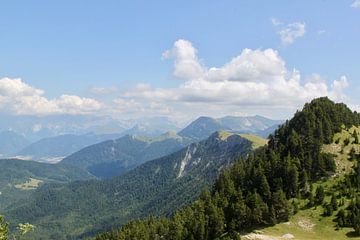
187,65
291,32
254,82
256,79
103,90
275,21
17,97
356,4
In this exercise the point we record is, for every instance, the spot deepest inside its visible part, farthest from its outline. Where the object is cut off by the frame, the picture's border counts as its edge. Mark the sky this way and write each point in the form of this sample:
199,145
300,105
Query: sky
181,59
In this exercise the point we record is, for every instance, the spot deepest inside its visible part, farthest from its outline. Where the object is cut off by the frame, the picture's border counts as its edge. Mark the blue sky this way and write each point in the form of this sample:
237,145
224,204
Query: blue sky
105,52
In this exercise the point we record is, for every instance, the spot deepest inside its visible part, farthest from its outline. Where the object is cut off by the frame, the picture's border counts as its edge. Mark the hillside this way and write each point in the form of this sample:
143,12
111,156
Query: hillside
115,157
54,149
157,187
295,171
310,222
18,178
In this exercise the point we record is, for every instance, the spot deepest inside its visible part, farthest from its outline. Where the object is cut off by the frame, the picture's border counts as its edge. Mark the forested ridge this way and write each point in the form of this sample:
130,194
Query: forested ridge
159,186
255,192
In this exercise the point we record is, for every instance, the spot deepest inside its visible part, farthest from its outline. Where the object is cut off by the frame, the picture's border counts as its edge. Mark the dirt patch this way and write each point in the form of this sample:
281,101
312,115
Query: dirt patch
258,236
306,225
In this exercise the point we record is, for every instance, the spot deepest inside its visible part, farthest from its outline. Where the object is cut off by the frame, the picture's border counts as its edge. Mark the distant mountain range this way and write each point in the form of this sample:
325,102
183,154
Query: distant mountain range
114,157
56,148
204,126
156,187
11,143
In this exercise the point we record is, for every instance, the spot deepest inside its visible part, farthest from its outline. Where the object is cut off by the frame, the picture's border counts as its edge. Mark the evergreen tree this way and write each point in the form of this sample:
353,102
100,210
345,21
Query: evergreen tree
333,202
320,195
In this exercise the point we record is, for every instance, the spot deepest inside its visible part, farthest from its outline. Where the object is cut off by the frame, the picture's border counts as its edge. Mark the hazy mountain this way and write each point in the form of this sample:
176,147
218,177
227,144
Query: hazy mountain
55,148
35,128
204,126
157,187
18,178
114,157
11,142
153,126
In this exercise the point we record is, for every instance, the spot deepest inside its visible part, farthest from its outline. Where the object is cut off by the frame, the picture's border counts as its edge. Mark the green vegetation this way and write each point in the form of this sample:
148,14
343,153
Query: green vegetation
115,157
22,229
256,140
158,187
257,192
16,176
31,184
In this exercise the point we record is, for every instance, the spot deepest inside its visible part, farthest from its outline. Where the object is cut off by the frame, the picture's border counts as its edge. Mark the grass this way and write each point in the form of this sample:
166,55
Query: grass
256,140
31,184
309,223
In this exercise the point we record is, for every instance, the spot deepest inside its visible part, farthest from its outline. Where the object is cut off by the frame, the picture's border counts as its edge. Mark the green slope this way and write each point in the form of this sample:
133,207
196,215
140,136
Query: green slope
310,223
115,157
157,187
18,178
288,185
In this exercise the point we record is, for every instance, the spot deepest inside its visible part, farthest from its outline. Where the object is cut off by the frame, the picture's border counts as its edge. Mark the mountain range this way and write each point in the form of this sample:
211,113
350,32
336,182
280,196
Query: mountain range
114,157
203,126
158,186
54,148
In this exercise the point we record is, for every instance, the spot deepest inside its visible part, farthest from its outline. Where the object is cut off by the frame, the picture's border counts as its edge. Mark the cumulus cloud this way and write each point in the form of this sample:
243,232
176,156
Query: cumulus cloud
356,4
291,32
255,79
187,64
17,97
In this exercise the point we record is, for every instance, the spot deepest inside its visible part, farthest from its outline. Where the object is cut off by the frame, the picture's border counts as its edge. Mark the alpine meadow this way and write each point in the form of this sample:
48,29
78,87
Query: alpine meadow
179,120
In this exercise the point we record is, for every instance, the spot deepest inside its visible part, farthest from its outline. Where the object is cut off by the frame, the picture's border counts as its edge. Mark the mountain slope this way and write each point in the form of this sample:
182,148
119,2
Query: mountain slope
203,127
11,142
18,178
157,187
55,148
114,157
293,172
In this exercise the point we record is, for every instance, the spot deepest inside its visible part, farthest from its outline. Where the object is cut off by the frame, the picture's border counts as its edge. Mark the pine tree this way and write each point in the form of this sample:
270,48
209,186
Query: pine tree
320,195
333,202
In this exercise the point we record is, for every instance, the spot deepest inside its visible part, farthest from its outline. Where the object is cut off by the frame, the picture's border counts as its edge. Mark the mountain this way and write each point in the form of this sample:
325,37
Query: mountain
18,178
11,142
156,187
114,157
204,126
56,148
153,126
35,128
307,176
